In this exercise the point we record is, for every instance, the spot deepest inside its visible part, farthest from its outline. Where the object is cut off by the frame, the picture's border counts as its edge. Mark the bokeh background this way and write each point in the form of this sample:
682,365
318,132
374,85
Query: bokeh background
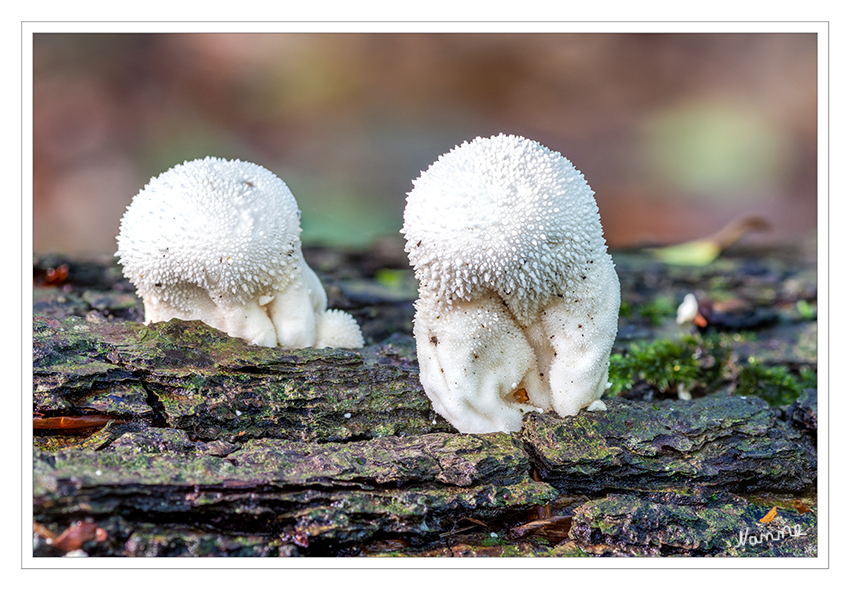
678,134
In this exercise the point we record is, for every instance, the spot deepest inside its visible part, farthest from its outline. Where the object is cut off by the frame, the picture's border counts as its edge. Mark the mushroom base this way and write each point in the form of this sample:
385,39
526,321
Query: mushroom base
290,316
483,370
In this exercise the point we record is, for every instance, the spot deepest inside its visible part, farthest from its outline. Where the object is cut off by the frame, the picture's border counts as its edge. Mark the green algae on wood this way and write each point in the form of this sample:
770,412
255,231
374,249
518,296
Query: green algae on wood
671,524
726,443
217,387
320,493
218,447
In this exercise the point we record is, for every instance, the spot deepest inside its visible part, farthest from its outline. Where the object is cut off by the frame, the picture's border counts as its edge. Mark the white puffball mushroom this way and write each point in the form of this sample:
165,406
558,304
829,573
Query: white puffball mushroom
597,406
518,297
219,241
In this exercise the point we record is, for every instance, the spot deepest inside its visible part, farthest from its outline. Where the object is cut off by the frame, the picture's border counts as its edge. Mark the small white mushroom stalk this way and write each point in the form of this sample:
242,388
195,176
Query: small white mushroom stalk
219,241
518,297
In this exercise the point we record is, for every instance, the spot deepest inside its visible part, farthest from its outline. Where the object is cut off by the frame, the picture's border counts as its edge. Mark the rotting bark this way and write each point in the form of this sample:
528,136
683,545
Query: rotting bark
188,442
186,375
670,524
316,495
716,442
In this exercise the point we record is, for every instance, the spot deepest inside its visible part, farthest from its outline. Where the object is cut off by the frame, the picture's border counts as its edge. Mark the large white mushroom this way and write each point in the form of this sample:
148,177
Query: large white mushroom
219,241
518,297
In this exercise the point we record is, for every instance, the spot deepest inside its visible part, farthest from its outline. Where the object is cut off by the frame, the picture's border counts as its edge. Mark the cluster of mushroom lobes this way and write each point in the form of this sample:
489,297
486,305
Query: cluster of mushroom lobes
518,297
219,241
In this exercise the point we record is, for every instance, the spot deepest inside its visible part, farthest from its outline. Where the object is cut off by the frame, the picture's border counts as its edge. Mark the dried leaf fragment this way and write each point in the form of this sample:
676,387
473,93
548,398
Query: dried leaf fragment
769,516
71,422
555,528
801,508
521,396
52,277
78,533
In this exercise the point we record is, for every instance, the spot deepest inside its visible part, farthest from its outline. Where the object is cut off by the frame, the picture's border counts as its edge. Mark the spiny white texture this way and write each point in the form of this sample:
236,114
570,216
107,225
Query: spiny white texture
228,227
337,328
518,297
218,241
503,213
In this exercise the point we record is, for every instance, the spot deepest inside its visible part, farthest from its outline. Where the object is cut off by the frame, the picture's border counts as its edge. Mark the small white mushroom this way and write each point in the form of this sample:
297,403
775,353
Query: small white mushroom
518,297
219,241
688,310
597,406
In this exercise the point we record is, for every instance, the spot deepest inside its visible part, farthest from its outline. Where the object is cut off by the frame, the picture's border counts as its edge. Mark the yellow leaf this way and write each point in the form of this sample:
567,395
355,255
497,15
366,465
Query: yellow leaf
698,253
701,252
769,516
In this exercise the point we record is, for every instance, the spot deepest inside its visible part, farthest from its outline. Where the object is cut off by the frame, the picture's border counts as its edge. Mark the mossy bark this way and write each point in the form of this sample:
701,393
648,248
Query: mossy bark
188,442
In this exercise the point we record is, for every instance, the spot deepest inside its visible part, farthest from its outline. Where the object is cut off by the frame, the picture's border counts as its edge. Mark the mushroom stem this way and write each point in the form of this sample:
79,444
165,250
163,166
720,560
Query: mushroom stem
472,359
250,322
575,334
292,313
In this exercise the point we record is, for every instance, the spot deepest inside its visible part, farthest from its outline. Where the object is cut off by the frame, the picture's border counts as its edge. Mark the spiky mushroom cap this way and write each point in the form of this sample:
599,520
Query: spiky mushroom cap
502,213
219,241
229,227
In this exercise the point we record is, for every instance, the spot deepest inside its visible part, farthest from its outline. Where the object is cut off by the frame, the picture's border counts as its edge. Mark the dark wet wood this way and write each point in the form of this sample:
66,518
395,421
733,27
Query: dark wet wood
199,444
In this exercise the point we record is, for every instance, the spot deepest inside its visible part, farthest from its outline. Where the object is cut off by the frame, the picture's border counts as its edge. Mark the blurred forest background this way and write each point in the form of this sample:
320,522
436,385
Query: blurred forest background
678,134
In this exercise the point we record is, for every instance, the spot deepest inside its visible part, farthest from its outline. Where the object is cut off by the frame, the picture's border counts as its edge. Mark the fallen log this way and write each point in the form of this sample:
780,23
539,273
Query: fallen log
175,439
